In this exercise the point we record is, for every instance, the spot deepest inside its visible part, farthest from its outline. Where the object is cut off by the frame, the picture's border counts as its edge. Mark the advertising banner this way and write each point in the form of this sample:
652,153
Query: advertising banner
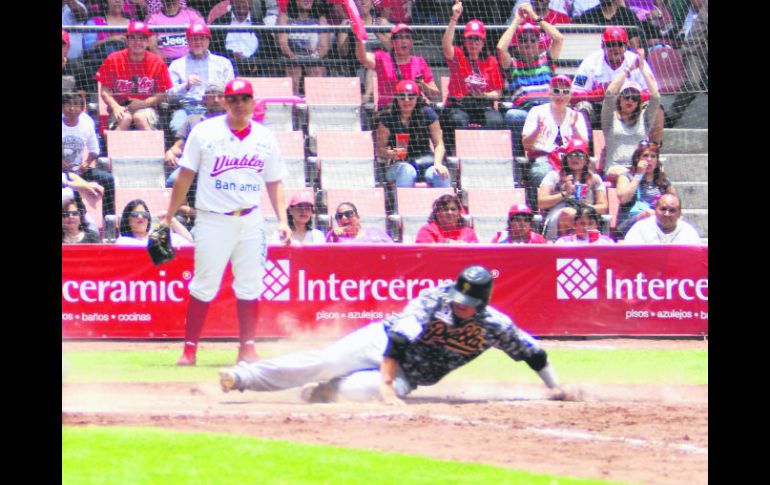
116,292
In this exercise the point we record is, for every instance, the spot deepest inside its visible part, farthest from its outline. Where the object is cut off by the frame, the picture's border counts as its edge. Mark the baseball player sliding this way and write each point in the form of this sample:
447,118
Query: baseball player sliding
442,329
236,159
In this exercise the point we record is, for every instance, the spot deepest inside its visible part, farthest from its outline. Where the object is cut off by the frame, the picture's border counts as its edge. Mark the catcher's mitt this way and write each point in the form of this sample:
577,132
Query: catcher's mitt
159,246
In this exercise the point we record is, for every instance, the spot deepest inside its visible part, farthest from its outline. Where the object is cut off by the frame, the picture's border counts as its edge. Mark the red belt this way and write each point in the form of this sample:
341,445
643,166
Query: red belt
240,212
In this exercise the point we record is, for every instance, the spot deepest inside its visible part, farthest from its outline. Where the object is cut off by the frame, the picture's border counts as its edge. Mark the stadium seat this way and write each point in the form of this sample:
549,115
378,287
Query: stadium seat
333,104
577,45
271,222
345,161
292,145
369,202
157,199
666,63
485,158
413,207
278,116
136,158
488,209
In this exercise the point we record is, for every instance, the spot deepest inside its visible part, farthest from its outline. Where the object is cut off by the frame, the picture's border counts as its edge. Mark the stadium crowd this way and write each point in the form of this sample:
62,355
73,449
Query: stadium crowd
145,78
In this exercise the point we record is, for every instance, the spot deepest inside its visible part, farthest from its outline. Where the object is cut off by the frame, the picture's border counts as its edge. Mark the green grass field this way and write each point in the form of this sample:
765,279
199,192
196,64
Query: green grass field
114,455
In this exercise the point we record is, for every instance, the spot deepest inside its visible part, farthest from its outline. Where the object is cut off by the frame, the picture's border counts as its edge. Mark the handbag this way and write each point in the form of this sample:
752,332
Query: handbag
640,205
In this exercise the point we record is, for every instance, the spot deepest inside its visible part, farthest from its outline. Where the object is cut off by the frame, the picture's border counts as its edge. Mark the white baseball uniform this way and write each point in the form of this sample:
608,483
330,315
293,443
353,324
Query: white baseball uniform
594,72
232,173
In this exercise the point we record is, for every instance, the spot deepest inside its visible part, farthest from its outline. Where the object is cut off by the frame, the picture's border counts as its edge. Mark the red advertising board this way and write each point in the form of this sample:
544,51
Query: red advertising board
116,292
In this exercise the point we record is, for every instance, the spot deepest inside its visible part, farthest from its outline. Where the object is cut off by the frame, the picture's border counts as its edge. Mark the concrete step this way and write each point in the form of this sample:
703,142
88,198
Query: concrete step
679,140
698,218
697,113
694,195
687,167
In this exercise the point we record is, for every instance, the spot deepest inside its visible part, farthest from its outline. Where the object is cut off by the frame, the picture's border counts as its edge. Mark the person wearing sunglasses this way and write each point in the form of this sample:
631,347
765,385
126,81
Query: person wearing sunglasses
74,227
135,227
475,82
409,115
626,120
529,67
299,215
563,190
666,227
395,64
446,223
350,230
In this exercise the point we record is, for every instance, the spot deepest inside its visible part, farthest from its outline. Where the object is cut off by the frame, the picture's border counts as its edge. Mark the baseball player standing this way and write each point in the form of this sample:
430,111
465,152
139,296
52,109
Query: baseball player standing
235,158
442,329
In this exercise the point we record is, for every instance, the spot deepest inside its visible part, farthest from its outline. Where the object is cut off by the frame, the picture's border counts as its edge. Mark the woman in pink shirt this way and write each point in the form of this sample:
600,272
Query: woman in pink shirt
446,224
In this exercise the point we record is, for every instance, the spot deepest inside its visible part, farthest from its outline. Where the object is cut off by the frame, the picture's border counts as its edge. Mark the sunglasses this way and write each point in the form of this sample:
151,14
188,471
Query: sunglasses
666,209
243,98
578,155
70,214
614,44
144,214
528,38
348,214
631,97
558,91
304,207
474,38
406,96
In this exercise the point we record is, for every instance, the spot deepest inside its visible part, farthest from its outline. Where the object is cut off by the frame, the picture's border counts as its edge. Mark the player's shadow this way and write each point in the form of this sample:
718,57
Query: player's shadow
461,400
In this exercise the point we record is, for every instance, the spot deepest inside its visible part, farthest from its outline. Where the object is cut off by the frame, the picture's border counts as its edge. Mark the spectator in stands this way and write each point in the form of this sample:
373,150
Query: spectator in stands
350,230
613,12
74,12
547,129
446,223
135,227
345,47
599,68
80,148
641,186
396,11
625,119
529,69
141,9
192,73
487,12
543,10
586,222
172,44
304,46
475,82
299,213
557,193
65,48
134,81
408,114
248,51
113,16
519,230
74,228
397,65
666,227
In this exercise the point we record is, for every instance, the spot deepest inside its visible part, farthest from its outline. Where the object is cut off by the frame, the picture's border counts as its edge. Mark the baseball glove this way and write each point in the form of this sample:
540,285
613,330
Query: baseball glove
159,246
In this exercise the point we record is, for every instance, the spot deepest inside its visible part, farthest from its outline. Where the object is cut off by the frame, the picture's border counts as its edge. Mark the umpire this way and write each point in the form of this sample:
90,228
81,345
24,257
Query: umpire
442,329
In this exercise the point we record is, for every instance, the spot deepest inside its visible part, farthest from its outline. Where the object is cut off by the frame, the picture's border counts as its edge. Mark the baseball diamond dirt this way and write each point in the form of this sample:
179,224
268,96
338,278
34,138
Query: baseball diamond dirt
646,434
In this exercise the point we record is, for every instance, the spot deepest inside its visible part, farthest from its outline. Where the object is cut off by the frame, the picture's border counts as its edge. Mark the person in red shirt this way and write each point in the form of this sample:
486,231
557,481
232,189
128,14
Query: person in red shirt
134,81
475,81
519,229
446,223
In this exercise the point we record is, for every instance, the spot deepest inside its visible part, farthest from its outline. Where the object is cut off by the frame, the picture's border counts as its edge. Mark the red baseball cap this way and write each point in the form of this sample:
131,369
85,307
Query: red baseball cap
519,209
407,86
65,37
577,145
561,79
615,34
399,27
239,86
303,197
198,28
137,27
475,28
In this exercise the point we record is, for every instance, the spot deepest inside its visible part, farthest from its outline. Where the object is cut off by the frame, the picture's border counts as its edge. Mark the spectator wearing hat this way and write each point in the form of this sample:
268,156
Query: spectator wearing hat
134,81
475,82
397,64
625,120
563,190
611,12
586,222
446,223
547,129
599,68
300,213
519,230
666,227
529,68
172,44
409,118
192,73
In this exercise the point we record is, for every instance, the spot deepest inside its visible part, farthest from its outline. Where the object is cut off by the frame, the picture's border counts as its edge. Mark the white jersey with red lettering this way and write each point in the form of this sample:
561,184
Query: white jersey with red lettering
594,72
231,172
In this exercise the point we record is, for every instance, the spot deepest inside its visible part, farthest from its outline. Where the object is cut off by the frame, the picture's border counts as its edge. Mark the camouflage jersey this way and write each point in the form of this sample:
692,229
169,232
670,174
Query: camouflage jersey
438,343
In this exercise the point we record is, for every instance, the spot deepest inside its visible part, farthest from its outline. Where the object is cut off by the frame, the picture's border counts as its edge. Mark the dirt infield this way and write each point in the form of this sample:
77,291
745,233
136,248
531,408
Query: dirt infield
645,434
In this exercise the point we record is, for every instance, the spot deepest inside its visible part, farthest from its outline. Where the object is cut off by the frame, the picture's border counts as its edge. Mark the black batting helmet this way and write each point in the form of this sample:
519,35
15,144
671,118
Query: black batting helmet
473,287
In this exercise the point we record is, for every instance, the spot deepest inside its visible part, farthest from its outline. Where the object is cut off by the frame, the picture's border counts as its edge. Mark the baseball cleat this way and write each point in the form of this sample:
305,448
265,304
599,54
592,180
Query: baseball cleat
318,392
228,380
